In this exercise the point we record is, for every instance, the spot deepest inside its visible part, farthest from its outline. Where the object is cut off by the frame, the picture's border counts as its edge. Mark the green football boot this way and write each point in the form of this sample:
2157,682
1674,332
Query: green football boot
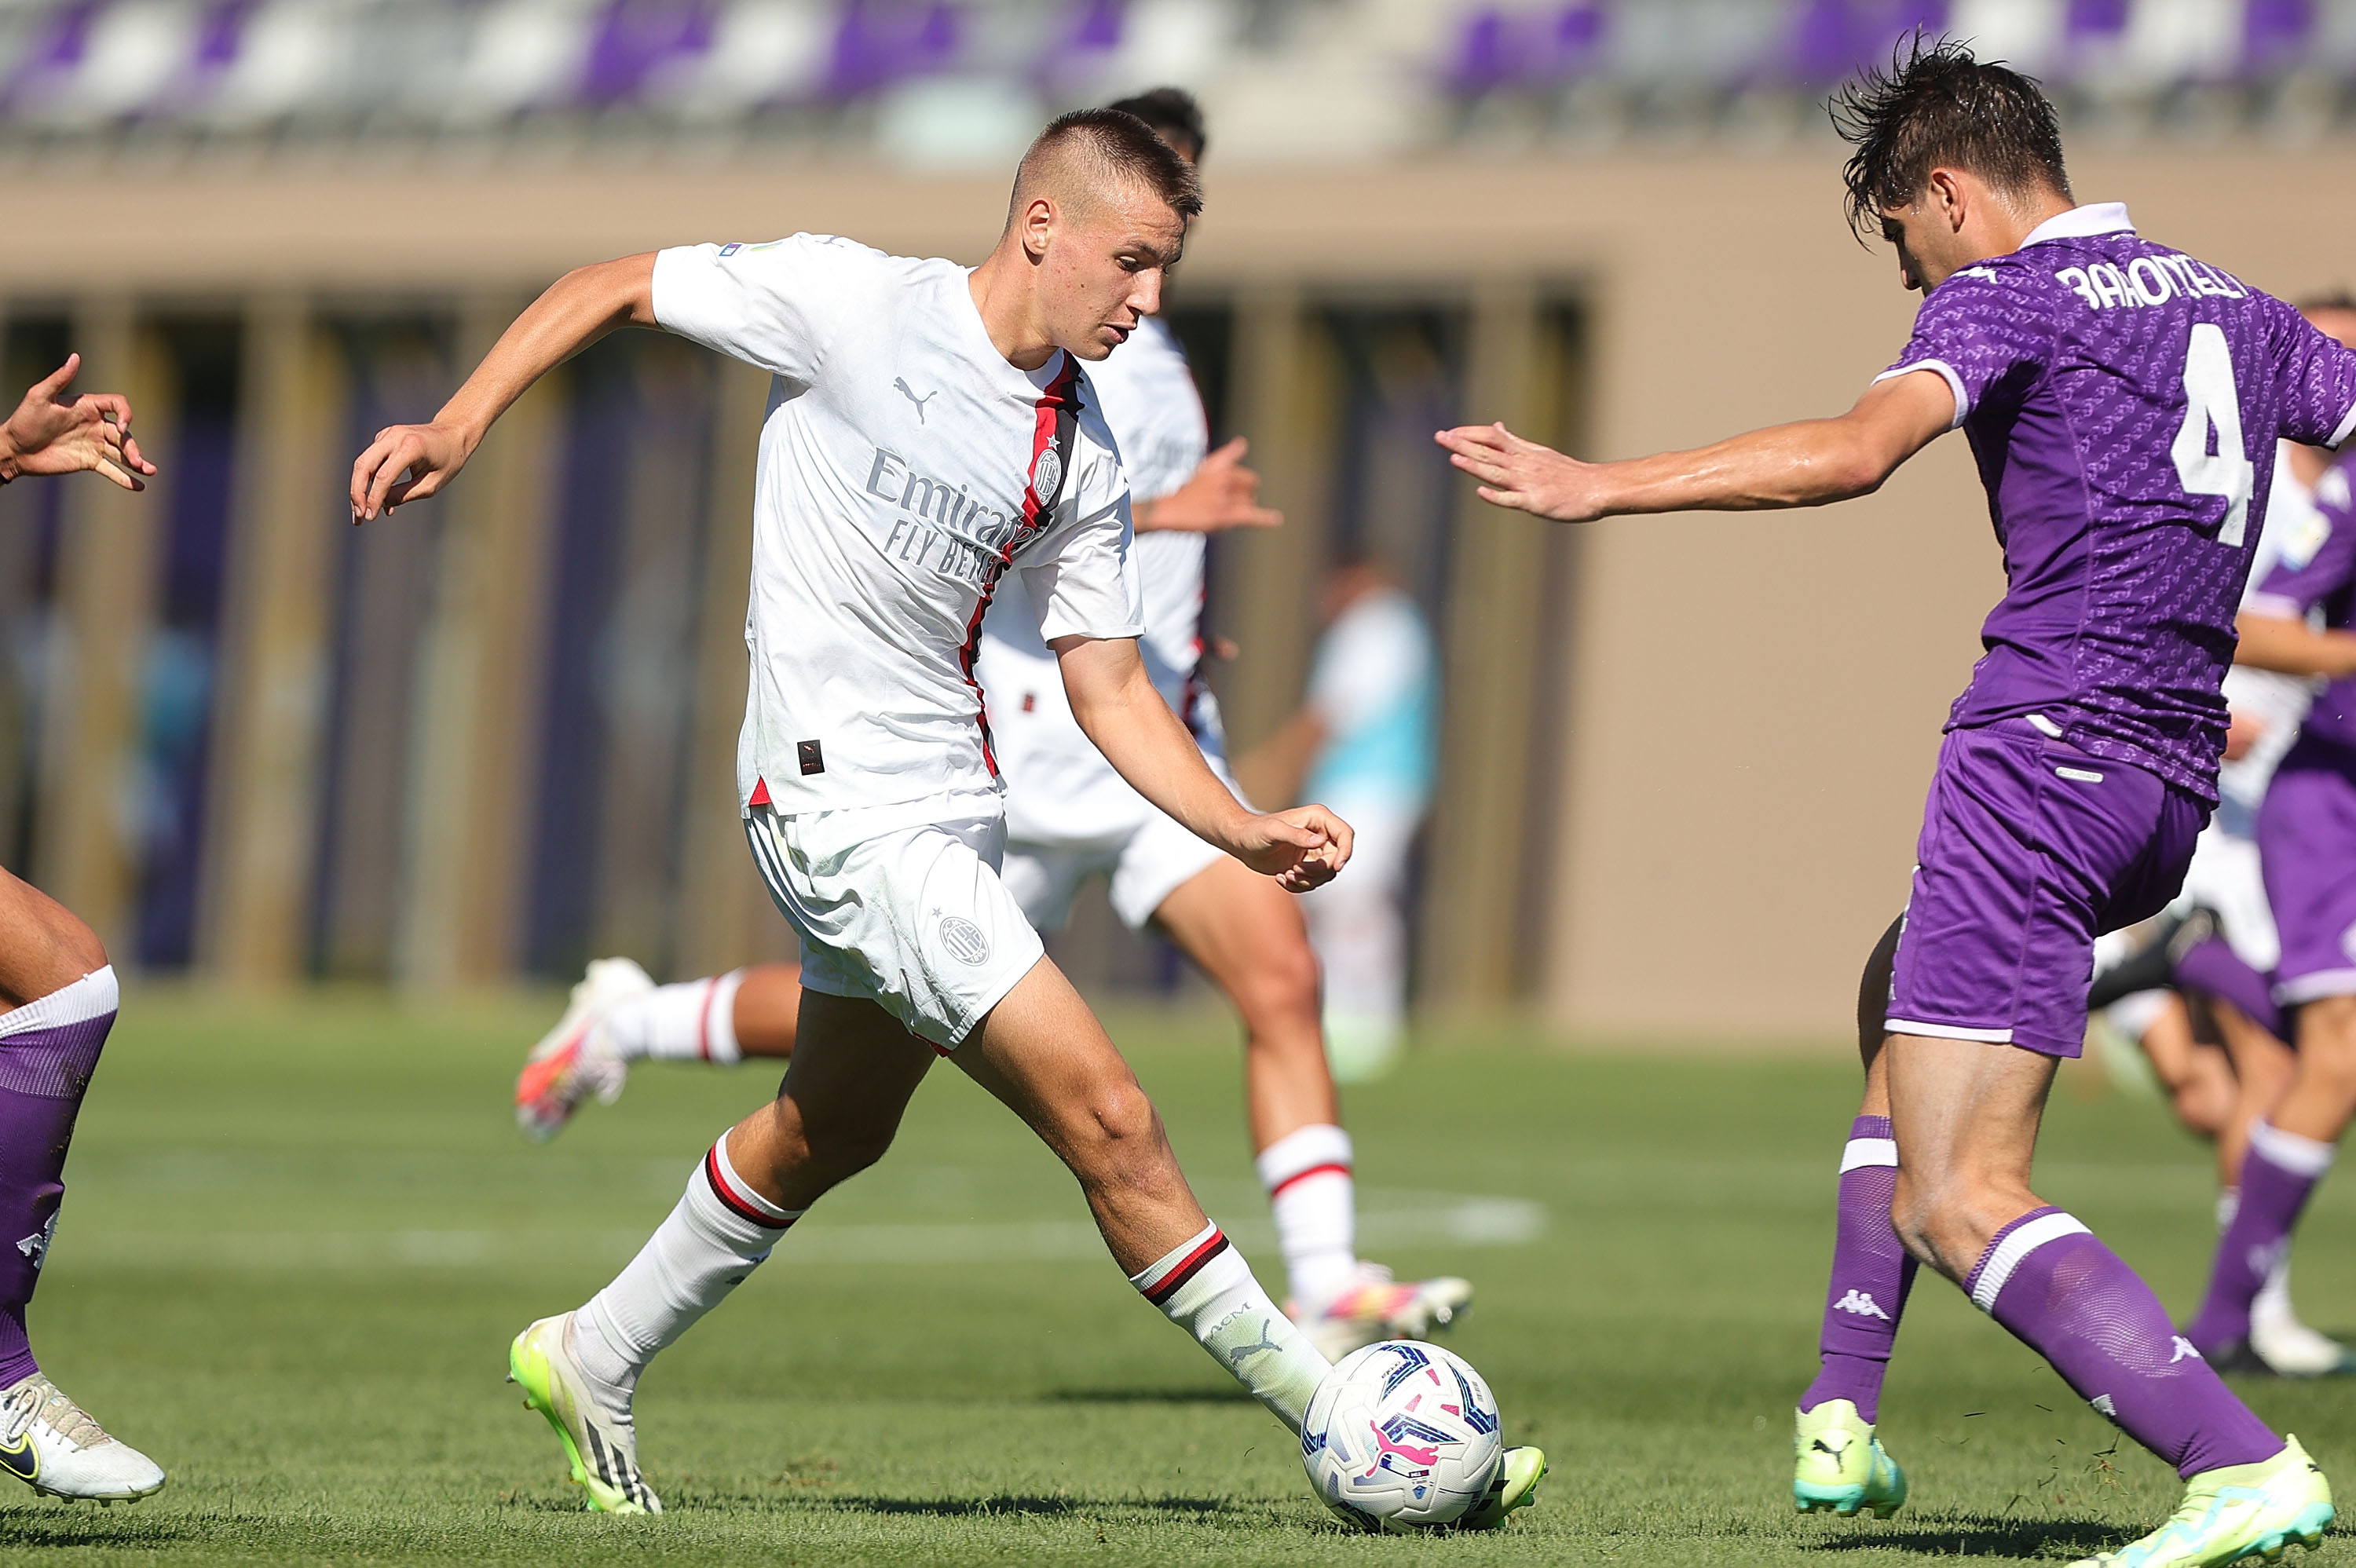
1838,1465
603,1457
2234,1514
1515,1487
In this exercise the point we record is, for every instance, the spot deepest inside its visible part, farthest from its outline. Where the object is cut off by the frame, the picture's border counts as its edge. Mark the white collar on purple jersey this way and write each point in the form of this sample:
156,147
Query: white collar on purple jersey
2083,222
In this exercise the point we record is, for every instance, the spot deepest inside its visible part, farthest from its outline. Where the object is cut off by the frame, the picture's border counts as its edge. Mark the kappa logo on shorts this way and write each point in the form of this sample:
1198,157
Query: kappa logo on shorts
964,940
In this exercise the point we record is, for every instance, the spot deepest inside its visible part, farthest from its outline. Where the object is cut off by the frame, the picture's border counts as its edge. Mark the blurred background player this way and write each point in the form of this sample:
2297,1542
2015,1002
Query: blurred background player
1364,734
2307,841
2078,767
1071,817
2213,1033
58,1002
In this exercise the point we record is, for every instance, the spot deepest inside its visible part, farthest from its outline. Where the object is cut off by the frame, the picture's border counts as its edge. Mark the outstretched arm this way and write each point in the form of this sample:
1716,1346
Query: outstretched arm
2292,647
1803,465
410,461
1116,703
51,433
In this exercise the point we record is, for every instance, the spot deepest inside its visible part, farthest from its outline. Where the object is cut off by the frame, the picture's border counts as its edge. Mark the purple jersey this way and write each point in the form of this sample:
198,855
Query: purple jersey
2316,567
2121,401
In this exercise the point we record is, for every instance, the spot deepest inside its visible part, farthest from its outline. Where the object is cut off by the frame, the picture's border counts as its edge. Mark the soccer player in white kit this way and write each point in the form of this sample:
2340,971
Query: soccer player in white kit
1069,816
930,435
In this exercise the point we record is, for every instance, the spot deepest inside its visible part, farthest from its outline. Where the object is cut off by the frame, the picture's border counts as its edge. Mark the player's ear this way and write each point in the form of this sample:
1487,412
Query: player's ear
1949,198
1038,224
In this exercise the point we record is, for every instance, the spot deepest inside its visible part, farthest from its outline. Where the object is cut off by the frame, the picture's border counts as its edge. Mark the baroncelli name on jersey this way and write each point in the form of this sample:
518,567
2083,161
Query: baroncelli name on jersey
2149,281
947,529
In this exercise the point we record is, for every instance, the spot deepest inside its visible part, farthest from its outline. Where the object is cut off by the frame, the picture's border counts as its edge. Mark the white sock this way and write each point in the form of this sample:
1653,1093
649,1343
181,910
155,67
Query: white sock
694,1021
720,1232
1309,1188
1203,1286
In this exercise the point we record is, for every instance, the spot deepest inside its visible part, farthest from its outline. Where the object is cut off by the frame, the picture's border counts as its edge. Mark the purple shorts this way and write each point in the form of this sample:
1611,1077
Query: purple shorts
2030,848
2307,846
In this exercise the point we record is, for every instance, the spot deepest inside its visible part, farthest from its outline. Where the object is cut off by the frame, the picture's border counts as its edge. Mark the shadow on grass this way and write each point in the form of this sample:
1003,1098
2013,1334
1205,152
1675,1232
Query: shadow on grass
68,1525
1233,1394
2022,1540
1019,1503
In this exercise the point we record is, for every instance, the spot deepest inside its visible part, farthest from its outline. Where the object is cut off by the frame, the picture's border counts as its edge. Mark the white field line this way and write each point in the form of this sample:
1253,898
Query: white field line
1386,1220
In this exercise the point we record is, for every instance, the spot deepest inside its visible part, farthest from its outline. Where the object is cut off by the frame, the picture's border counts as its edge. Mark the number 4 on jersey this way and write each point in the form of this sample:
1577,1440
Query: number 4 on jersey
2211,407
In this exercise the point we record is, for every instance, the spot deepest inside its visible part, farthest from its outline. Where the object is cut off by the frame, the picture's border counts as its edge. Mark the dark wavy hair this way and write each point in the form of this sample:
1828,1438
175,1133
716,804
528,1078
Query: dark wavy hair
1171,111
1938,105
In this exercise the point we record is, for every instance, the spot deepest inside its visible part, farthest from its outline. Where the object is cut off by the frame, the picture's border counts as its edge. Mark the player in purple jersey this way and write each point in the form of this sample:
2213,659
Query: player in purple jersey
58,998
2121,401
2307,840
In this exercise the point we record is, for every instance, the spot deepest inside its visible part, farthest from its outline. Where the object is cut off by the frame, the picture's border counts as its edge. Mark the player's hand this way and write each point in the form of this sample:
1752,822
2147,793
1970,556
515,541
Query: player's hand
1525,475
405,463
2244,733
1222,495
1302,849
50,434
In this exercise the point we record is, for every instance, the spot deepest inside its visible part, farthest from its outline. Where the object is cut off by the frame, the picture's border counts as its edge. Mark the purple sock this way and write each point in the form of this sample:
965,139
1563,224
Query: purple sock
2216,969
2068,1298
48,1049
2279,1171
1871,1275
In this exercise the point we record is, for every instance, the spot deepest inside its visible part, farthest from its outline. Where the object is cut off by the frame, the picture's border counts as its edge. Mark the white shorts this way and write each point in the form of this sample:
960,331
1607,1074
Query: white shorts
900,905
1153,859
2225,875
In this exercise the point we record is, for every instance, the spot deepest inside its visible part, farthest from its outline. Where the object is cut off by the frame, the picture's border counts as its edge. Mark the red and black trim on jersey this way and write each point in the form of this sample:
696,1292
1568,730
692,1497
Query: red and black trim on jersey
1186,1268
744,1205
1055,420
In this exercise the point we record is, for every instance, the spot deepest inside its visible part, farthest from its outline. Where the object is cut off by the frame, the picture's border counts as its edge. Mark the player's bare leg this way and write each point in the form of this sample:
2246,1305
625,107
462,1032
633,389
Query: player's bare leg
2198,1078
1965,1115
1248,936
1042,1053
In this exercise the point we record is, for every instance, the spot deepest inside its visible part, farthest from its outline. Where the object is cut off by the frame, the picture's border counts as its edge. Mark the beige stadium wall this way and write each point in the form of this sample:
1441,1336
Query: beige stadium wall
1752,703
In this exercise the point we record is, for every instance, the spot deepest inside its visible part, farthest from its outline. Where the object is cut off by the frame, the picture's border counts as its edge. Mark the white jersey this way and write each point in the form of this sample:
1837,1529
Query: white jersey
906,471
2277,701
1063,790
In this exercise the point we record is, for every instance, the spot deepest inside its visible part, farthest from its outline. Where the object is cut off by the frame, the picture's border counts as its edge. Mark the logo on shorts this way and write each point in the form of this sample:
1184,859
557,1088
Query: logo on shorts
964,939
1047,477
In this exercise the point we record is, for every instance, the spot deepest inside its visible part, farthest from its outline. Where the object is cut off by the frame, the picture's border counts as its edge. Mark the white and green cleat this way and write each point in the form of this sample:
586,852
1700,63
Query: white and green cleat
2236,1514
1838,1465
1515,1487
604,1456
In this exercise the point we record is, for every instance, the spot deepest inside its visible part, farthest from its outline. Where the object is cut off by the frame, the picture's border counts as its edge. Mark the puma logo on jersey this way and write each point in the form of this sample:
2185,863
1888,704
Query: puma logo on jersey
1861,1304
907,392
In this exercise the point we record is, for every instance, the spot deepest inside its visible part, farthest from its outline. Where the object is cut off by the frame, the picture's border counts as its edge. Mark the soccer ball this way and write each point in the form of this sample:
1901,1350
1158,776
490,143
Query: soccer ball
1401,1435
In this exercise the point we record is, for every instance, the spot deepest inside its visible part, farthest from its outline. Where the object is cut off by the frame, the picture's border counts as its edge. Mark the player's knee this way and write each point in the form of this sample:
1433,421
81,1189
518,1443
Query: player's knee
1121,1142
1281,988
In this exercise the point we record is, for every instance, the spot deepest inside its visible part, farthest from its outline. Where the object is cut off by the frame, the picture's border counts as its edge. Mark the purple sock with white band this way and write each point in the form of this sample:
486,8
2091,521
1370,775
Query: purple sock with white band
2067,1297
2277,1174
1870,1277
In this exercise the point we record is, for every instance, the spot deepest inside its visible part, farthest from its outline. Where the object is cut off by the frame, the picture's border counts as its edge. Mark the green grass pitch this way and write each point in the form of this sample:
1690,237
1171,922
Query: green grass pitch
299,1238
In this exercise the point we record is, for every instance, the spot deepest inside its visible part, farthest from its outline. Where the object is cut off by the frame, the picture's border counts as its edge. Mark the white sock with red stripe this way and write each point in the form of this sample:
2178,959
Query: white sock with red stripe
694,1021
1203,1286
720,1232
1307,1174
